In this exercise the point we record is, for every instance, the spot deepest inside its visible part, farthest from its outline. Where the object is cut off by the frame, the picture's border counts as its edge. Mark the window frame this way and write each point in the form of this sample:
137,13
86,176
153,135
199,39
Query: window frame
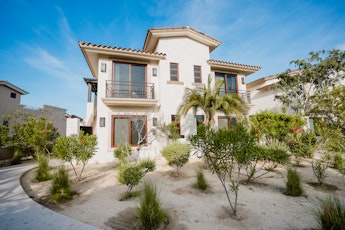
13,95
176,120
226,88
129,131
196,72
173,76
228,120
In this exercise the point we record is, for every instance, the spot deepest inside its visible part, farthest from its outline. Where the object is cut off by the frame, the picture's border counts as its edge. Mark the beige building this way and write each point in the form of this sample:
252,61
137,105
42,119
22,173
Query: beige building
137,90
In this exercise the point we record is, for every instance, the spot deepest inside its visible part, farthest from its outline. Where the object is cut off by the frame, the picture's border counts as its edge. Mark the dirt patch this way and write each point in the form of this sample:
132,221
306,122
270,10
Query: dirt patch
261,203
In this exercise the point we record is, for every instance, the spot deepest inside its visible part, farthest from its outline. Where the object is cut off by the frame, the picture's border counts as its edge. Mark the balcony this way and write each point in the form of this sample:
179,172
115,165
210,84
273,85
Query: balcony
123,93
243,94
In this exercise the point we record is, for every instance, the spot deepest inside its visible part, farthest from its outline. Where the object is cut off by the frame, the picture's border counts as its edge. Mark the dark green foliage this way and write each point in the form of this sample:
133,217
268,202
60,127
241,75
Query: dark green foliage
201,182
273,125
293,184
61,188
176,154
147,165
150,213
42,172
330,214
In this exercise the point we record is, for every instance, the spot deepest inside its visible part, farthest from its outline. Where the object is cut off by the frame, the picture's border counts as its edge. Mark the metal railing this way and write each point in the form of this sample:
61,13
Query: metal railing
243,94
124,89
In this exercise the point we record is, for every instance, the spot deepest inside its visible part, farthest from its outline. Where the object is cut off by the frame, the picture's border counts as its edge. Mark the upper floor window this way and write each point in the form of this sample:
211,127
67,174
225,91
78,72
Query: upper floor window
199,119
128,130
226,122
197,74
13,95
174,76
129,80
230,83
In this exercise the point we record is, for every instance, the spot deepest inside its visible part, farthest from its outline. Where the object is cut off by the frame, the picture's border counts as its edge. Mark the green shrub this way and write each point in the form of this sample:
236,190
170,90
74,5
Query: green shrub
176,154
42,172
319,169
131,174
330,213
338,162
122,152
61,188
293,184
150,213
201,182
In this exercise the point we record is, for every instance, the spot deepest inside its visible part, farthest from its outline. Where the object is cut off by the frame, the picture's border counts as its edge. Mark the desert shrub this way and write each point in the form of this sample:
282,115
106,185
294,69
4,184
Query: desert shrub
176,154
319,170
131,175
338,162
293,184
330,213
150,213
122,152
61,188
80,148
42,172
201,182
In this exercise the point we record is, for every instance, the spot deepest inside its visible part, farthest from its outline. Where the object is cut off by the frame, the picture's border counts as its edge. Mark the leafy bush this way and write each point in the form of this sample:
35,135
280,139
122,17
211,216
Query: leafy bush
274,125
176,154
330,213
338,161
61,188
81,148
131,174
319,169
42,172
122,152
150,213
293,184
201,182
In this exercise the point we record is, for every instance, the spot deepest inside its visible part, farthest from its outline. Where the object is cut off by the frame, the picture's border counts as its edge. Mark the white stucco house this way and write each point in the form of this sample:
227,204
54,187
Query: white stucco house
132,88
263,92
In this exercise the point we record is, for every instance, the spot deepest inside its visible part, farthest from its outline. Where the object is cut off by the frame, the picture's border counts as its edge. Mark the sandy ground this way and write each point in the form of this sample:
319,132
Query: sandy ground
261,205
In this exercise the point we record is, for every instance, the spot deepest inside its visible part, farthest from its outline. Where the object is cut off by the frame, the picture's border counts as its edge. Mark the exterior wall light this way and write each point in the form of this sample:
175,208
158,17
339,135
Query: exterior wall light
102,122
103,67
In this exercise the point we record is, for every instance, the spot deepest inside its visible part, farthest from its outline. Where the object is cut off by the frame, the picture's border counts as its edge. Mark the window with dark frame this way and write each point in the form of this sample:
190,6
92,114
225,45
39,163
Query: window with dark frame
230,83
13,95
128,130
174,76
197,74
199,119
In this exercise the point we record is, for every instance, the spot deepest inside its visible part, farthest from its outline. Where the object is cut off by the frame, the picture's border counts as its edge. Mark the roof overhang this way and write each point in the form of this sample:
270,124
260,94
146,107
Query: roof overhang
92,53
153,35
232,67
13,87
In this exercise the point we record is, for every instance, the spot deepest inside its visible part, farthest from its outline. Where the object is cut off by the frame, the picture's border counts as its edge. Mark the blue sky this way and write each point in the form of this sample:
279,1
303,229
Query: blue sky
39,39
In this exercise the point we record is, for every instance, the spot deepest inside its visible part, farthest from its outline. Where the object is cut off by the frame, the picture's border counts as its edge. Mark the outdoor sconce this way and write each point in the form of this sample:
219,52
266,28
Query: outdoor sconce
103,67
154,72
154,121
242,81
102,122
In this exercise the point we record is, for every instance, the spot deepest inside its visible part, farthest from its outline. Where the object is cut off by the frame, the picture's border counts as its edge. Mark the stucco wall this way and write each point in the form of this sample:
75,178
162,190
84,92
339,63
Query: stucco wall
7,103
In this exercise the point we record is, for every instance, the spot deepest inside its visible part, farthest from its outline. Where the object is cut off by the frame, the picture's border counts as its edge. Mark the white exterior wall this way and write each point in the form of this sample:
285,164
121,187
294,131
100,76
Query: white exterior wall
187,53
7,103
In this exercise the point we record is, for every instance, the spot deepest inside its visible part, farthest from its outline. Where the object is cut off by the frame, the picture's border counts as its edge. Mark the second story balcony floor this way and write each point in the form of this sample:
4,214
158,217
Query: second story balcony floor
124,93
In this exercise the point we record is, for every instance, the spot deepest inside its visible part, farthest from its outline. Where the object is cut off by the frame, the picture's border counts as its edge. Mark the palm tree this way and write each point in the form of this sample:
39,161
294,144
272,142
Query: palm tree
209,101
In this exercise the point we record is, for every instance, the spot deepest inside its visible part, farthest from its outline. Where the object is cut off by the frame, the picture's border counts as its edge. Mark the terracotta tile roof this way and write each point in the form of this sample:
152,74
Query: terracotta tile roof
253,67
88,44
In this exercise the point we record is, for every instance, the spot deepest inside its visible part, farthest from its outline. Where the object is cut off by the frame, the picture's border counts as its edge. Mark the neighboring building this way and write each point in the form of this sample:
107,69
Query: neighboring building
263,92
136,90
10,103
10,99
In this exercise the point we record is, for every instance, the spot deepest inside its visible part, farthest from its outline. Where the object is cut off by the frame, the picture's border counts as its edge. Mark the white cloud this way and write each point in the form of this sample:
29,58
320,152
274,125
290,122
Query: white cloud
341,46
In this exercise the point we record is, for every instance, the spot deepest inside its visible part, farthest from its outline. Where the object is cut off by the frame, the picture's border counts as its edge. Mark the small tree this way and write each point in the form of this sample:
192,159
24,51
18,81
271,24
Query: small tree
61,187
78,148
319,170
227,152
176,154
